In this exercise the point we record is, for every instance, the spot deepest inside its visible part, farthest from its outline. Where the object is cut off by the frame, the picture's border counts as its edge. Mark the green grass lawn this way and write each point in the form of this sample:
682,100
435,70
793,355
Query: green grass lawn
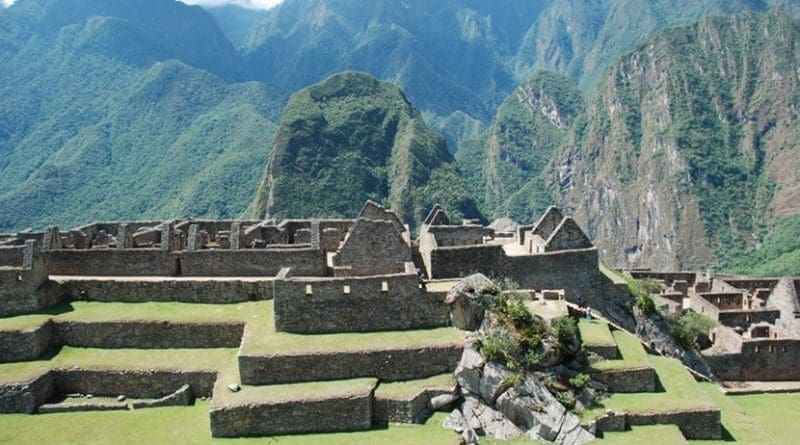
298,391
409,389
189,425
223,360
595,332
173,312
631,351
775,413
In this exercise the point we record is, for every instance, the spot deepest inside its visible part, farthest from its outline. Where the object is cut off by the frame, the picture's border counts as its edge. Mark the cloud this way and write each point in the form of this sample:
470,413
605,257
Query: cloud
250,4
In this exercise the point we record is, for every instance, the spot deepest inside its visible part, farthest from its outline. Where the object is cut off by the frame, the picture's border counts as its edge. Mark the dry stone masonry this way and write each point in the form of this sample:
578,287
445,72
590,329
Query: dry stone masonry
345,283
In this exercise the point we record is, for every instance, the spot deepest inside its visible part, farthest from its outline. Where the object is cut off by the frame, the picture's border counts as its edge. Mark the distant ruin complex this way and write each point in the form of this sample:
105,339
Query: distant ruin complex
358,301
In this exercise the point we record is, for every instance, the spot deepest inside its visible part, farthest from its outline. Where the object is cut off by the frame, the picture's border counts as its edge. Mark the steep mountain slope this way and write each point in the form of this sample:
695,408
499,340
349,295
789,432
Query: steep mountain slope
351,138
448,55
506,166
691,145
236,21
582,38
102,116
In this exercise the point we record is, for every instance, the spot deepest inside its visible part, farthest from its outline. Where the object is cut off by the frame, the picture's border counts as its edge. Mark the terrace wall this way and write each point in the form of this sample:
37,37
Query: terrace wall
345,413
147,334
386,365
356,304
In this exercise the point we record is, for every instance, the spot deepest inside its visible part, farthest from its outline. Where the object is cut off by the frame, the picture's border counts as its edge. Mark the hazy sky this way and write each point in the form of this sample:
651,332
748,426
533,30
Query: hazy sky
253,4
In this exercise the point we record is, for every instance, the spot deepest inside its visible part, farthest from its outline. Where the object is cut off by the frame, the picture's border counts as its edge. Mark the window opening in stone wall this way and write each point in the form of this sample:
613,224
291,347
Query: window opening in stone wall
385,286
346,289
308,289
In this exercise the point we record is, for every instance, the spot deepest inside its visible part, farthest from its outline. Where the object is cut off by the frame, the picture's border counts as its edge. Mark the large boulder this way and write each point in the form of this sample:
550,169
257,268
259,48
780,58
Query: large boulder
492,382
466,302
534,409
470,370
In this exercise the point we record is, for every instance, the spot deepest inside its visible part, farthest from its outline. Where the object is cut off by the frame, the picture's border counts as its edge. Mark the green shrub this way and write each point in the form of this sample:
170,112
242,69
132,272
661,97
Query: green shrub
519,314
640,289
579,381
689,327
566,330
500,346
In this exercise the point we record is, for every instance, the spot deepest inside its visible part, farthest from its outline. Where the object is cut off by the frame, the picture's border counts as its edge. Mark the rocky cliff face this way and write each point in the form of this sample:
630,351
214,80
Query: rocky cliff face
351,138
507,165
690,145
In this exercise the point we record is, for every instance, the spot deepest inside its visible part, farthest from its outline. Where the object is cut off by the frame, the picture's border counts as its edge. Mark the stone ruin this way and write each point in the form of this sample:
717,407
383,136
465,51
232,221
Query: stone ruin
366,276
757,337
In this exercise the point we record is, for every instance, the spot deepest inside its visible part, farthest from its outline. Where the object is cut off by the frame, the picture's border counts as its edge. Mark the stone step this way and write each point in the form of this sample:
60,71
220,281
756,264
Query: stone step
344,405
267,357
410,401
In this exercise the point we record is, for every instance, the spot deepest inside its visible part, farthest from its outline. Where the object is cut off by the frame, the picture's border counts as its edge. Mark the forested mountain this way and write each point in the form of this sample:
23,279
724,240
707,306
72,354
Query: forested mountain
351,138
123,109
690,154
678,154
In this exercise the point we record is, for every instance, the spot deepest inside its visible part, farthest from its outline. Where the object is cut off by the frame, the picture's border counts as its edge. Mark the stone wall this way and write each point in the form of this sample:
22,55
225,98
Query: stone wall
183,291
567,236
759,359
752,285
411,410
21,345
345,413
572,270
11,256
25,397
373,247
111,262
458,235
385,410
22,287
147,334
694,424
666,277
725,301
703,306
628,380
252,262
744,319
133,384
356,304
386,365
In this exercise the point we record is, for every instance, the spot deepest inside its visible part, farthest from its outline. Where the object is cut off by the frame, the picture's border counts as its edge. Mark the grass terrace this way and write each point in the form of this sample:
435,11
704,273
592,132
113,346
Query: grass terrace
223,360
190,425
595,332
262,338
411,388
269,394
